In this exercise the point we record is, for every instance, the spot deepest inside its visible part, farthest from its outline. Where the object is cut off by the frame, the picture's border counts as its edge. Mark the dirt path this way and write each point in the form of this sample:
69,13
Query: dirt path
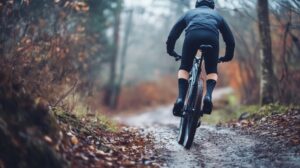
213,146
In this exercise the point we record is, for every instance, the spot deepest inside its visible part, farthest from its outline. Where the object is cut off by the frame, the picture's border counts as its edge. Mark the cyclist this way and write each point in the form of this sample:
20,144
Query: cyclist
202,26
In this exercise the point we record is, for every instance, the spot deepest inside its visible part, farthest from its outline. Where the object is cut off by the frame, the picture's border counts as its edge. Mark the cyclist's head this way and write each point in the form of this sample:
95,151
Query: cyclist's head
209,3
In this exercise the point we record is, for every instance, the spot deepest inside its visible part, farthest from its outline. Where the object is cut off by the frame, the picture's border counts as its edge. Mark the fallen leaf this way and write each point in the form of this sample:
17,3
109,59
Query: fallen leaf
74,140
48,139
91,147
100,152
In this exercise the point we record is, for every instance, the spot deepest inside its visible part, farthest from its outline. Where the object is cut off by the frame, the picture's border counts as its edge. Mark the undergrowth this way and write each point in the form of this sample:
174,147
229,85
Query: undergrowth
257,112
232,111
94,119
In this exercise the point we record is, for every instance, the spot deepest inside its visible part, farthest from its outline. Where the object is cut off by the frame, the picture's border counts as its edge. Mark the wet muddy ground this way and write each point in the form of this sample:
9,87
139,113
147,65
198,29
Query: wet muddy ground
213,146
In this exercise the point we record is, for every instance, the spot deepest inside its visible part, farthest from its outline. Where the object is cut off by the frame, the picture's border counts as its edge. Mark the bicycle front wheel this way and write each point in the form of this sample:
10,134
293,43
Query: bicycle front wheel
194,115
191,120
191,127
182,129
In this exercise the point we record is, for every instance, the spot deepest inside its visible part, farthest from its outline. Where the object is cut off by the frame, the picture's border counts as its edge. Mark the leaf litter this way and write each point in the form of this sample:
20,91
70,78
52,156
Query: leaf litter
87,144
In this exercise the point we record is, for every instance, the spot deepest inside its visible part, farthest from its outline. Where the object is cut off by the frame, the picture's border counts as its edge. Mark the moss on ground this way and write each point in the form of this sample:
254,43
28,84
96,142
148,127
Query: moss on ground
254,112
267,110
98,120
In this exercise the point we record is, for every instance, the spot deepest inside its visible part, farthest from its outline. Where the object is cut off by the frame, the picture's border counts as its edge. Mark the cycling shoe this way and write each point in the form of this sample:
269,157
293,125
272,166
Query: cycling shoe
178,106
207,106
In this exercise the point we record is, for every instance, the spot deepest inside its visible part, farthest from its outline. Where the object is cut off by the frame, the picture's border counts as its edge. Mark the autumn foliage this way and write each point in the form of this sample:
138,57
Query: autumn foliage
50,52
148,94
244,73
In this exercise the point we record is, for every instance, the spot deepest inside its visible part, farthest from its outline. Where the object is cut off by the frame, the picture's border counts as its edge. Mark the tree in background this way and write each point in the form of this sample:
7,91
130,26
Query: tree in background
246,68
267,75
111,90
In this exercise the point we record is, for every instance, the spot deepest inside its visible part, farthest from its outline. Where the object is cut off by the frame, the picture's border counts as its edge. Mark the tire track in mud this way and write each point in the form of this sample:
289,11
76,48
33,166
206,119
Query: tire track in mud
213,146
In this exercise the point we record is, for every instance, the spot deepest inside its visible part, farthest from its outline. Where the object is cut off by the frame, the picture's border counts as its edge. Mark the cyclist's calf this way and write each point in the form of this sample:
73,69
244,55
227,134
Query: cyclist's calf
183,74
213,76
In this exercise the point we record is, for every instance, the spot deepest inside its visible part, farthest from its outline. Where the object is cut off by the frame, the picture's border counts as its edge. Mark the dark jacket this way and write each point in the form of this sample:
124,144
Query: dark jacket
202,18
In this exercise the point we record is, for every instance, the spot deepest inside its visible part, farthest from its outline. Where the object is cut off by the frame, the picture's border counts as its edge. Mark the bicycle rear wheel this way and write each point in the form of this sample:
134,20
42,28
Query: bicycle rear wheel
193,116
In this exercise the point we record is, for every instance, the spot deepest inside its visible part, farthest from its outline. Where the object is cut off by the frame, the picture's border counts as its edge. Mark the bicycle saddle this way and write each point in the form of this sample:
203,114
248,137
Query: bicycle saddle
205,47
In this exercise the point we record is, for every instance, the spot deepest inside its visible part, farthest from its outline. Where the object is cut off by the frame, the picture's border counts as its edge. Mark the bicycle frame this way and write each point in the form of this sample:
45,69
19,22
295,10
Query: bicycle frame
196,70
192,109
193,80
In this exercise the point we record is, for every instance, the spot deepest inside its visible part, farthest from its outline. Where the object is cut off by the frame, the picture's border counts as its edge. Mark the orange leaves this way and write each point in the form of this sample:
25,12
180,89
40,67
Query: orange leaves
147,94
81,6
88,144
283,127
233,73
74,140
78,6
49,47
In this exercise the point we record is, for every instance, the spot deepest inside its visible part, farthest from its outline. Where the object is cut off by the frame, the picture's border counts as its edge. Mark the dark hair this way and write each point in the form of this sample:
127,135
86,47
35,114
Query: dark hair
209,3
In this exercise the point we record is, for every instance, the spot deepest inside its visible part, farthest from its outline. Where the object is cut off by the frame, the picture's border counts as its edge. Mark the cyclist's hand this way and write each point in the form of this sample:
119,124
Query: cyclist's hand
172,53
224,59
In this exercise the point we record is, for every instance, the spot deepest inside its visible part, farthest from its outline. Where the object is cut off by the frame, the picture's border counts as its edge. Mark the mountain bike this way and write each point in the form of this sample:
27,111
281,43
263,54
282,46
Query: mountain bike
192,111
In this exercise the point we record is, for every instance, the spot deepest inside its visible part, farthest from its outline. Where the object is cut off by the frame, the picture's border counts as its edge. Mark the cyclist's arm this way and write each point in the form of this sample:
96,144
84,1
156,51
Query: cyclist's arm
175,34
228,39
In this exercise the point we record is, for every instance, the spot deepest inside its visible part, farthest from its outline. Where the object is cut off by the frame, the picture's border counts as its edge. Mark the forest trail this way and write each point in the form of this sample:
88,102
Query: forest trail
213,146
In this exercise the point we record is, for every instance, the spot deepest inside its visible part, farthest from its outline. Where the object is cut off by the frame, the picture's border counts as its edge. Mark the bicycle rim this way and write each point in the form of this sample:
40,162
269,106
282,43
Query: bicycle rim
191,119
183,120
194,115
190,132
182,129
198,105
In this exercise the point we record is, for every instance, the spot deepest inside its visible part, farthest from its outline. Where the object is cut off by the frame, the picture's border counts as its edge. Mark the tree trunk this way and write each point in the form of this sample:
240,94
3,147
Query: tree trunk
267,82
111,89
125,46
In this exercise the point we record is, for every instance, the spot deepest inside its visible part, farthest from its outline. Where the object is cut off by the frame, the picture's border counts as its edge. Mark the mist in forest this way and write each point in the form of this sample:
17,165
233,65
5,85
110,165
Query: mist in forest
152,20
103,51
77,75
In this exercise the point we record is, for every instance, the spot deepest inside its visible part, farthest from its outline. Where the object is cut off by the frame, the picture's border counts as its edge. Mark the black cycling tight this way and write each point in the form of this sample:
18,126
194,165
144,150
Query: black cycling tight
192,42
